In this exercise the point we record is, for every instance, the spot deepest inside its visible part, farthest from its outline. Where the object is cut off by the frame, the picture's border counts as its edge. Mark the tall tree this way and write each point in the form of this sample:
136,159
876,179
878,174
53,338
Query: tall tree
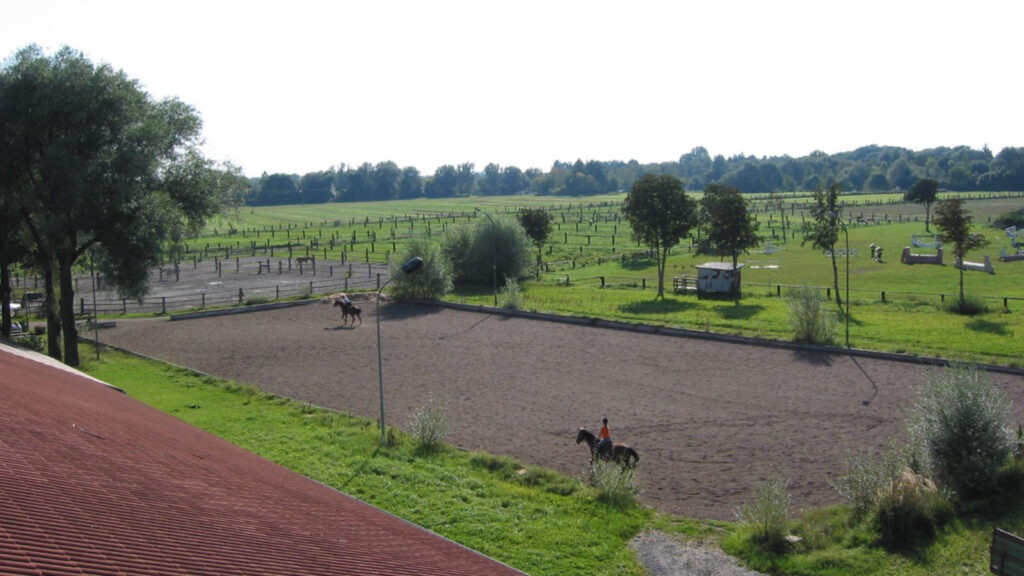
95,162
823,229
728,226
954,224
924,191
661,215
537,223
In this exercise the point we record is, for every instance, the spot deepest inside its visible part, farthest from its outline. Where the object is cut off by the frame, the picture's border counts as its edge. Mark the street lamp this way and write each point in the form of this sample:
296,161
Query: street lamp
846,234
414,264
494,265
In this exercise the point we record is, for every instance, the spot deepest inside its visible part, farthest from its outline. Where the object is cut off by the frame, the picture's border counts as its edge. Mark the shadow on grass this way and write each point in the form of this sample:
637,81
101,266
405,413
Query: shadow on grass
739,311
639,263
989,327
656,307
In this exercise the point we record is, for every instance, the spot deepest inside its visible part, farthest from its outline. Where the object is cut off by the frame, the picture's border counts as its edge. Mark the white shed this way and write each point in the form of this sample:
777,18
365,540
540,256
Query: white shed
718,278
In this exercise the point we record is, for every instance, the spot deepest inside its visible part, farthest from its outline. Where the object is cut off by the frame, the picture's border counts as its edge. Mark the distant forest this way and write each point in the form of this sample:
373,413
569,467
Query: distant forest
864,170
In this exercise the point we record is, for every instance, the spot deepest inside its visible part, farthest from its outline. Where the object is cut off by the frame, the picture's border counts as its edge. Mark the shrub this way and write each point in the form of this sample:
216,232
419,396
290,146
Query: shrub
615,484
768,514
959,423
429,425
490,246
430,282
967,306
511,294
811,320
901,504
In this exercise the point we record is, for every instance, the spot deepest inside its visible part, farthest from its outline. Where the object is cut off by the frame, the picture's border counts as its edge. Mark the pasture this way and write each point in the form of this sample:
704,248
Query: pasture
593,268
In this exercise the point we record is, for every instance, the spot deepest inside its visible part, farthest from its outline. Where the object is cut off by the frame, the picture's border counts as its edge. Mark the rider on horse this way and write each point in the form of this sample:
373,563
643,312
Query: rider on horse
345,302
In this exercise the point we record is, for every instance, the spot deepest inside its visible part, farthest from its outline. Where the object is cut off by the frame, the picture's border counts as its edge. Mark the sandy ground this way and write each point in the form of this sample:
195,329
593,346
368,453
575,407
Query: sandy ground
711,420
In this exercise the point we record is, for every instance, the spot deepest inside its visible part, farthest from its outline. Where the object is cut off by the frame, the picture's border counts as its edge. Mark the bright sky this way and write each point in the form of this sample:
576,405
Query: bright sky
302,85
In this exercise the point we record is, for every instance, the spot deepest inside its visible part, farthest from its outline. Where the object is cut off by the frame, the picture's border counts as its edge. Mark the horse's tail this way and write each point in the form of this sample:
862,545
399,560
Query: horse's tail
635,455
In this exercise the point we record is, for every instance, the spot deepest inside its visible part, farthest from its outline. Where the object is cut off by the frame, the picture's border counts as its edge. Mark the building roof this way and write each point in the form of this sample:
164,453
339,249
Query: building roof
95,482
720,265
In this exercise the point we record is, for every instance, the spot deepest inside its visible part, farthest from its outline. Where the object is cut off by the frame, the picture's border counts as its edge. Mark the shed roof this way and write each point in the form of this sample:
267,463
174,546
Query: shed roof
720,265
95,482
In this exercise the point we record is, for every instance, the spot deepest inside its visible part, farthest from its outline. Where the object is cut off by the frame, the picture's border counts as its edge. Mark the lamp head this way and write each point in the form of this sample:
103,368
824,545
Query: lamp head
414,264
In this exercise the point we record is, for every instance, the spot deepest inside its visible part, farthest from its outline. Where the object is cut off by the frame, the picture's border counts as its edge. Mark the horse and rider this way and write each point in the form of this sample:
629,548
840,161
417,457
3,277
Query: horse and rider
602,447
348,309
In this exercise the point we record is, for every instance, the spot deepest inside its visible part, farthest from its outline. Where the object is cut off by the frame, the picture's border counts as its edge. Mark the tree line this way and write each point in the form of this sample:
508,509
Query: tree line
866,169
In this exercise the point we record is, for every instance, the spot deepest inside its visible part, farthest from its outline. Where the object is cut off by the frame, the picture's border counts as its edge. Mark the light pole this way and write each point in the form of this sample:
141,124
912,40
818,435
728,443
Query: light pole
846,234
414,264
494,265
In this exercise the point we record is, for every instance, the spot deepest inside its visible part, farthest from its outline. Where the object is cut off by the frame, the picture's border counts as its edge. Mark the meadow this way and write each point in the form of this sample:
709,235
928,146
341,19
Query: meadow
592,266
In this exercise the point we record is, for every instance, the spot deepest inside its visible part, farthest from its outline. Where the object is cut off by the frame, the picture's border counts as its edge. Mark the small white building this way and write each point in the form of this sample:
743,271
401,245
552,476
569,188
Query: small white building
718,278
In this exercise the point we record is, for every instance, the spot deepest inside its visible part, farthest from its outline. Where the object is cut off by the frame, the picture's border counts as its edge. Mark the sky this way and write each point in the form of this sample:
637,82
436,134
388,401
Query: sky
300,86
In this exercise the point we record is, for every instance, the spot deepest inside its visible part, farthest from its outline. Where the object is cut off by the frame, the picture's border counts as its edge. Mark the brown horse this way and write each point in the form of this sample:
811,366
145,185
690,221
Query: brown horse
350,311
620,453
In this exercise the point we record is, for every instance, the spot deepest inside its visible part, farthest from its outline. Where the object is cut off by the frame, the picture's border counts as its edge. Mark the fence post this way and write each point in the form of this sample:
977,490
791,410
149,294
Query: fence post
1006,304
163,304
240,296
277,292
378,280
81,306
204,300
883,296
567,280
778,290
602,281
643,283
124,306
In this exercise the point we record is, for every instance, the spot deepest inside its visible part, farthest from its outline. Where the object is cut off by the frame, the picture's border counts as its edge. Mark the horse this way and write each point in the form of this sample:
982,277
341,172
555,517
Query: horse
620,453
350,310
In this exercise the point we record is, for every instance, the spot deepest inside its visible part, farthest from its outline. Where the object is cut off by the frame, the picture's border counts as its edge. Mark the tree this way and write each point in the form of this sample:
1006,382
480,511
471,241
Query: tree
277,190
92,162
823,230
924,191
487,251
661,215
316,187
728,226
954,224
430,282
537,224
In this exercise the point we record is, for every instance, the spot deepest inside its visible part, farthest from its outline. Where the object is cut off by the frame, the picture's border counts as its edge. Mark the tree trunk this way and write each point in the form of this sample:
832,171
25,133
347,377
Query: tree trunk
67,311
662,260
52,317
835,276
5,299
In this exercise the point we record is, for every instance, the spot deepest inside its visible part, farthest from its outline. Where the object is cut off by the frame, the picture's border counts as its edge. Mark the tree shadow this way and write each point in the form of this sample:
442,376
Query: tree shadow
395,310
638,263
656,307
739,311
812,357
987,326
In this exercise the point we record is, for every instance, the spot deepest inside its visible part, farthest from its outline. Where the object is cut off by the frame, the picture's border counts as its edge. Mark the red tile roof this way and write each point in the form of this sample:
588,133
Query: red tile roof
94,482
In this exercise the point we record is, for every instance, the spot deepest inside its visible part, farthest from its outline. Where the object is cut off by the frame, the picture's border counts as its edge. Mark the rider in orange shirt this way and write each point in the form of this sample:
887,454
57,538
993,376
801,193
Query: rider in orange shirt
605,437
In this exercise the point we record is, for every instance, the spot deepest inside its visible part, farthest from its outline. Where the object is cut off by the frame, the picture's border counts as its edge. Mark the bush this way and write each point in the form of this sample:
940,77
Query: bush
959,424
902,505
431,282
809,317
615,484
967,306
511,294
491,246
429,425
768,514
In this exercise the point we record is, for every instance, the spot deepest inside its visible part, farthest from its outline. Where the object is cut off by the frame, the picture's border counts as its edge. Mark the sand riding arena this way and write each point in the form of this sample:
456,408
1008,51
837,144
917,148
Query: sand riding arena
712,420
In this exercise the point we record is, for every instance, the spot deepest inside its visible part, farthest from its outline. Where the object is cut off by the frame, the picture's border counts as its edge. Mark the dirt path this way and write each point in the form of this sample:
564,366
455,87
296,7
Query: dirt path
711,420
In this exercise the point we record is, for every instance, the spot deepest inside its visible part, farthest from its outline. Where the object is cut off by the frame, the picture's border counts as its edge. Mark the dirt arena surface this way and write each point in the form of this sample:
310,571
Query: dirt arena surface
711,420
